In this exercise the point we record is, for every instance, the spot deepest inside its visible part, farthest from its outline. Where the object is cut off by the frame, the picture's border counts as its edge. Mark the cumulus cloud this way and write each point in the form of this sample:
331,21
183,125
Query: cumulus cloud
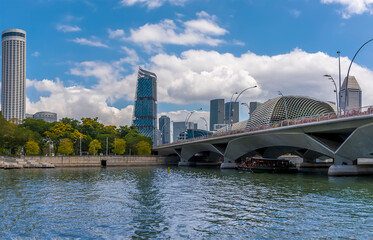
152,3
352,7
93,43
203,30
68,28
77,102
35,54
119,33
196,77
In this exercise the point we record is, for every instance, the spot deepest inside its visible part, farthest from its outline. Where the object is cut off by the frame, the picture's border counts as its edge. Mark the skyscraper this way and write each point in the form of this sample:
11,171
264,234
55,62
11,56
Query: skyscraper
164,127
232,112
145,111
216,112
353,93
13,74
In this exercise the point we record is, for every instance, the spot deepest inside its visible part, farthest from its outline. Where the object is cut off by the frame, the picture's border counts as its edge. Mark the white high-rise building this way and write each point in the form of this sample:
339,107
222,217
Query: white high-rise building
13,74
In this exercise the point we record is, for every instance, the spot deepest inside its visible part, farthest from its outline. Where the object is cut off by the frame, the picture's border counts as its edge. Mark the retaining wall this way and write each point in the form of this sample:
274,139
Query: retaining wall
111,161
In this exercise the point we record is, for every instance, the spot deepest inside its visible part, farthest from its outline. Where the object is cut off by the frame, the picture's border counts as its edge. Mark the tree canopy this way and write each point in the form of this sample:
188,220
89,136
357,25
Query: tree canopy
73,134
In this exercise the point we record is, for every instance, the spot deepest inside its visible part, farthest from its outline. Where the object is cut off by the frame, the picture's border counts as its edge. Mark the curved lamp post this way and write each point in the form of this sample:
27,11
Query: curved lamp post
187,120
336,95
204,119
348,72
286,111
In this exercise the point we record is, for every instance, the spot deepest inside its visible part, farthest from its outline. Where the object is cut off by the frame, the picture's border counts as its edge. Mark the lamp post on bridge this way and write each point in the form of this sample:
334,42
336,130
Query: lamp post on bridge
230,105
336,95
187,120
286,111
348,73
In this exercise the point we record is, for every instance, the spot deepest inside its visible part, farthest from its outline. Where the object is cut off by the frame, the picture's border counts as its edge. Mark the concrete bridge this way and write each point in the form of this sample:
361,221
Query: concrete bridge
342,139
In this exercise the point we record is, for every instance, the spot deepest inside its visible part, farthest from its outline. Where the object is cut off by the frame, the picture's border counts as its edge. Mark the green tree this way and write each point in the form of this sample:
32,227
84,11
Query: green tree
119,146
32,148
94,146
133,138
143,148
65,147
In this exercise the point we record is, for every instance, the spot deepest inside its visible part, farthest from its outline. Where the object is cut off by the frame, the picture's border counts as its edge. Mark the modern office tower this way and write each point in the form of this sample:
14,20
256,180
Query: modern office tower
13,74
165,129
46,116
353,92
145,111
216,112
181,127
232,112
253,106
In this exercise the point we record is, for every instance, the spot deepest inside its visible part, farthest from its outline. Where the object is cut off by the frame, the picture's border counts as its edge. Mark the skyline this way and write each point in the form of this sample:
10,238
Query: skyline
88,52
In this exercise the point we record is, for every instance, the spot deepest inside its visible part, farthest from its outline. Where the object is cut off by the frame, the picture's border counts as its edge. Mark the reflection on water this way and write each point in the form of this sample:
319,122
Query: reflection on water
149,203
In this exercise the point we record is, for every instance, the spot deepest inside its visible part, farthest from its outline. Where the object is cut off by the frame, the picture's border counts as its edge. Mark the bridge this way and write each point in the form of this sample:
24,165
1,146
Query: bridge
344,139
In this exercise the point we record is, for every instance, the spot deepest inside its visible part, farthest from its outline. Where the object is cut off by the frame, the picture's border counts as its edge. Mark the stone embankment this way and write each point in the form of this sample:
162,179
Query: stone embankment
98,161
11,163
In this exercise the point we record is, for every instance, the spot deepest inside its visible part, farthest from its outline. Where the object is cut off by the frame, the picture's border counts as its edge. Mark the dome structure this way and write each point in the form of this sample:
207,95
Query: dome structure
273,110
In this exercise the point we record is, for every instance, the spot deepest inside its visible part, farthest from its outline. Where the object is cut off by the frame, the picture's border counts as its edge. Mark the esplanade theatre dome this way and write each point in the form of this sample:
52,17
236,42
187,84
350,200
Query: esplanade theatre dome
273,110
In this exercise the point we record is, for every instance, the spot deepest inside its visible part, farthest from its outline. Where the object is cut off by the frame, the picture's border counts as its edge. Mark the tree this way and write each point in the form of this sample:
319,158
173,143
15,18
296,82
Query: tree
32,148
143,148
119,146
94,146
66,147
133,138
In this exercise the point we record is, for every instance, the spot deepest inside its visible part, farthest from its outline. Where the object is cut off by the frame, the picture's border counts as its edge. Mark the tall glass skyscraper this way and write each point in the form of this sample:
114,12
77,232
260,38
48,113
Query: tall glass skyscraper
164,127
13,74
232,112
145,111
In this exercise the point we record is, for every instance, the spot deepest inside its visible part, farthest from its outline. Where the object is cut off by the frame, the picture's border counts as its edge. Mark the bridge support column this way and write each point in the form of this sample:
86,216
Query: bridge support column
184,163
228,163
350,170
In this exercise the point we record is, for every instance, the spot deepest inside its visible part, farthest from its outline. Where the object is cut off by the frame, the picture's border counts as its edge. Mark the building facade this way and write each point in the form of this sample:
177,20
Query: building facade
180,128
46,116
13,74
232,112
165,129
216,112
353,93
253,106
145,110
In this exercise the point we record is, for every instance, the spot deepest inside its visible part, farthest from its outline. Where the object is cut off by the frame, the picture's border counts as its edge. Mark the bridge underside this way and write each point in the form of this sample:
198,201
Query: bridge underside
343,145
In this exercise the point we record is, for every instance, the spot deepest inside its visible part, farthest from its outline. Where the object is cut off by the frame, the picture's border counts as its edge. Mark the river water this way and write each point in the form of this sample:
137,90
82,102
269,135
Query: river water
188,203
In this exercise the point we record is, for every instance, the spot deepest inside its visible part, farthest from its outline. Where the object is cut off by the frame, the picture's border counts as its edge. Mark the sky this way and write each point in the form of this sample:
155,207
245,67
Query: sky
83,55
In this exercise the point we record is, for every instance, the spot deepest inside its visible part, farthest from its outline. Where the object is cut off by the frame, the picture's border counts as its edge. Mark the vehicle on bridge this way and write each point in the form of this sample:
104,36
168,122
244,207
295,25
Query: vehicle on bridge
267,165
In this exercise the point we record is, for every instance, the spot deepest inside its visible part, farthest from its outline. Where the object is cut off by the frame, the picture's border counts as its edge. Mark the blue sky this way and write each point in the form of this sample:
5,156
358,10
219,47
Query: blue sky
82,56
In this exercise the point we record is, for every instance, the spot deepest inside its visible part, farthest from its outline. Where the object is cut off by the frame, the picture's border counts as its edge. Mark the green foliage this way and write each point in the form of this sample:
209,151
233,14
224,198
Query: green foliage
94,146
65,147
143,148
32,148
119,146
94,136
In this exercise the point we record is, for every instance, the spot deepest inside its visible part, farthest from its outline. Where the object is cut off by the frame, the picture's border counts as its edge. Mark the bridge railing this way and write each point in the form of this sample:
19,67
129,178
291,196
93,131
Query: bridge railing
367,110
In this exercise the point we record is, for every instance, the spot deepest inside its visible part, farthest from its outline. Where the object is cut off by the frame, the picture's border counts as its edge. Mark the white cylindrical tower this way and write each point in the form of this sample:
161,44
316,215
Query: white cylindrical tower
13,74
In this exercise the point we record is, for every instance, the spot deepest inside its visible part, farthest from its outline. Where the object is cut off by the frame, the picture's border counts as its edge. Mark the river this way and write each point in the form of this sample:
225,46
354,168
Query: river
187,203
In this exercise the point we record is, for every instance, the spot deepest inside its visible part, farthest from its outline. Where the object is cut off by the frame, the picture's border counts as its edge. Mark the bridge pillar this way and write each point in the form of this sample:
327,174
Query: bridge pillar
350,170
228,163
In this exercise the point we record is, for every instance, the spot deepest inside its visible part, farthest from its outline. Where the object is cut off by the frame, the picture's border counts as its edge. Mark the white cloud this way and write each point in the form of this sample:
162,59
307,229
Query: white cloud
35,54
152,3
203,30
295,13
352,7
199,76
93,43
68,28
119,33
196,77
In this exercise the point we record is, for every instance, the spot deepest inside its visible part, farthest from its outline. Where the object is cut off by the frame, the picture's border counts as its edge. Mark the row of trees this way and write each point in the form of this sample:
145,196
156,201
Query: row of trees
70,137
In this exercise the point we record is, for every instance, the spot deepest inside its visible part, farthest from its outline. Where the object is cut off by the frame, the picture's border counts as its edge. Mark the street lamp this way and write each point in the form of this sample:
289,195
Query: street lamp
243,91
204,119
336,95
339,75
187,120
286,111
248,107
348,72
